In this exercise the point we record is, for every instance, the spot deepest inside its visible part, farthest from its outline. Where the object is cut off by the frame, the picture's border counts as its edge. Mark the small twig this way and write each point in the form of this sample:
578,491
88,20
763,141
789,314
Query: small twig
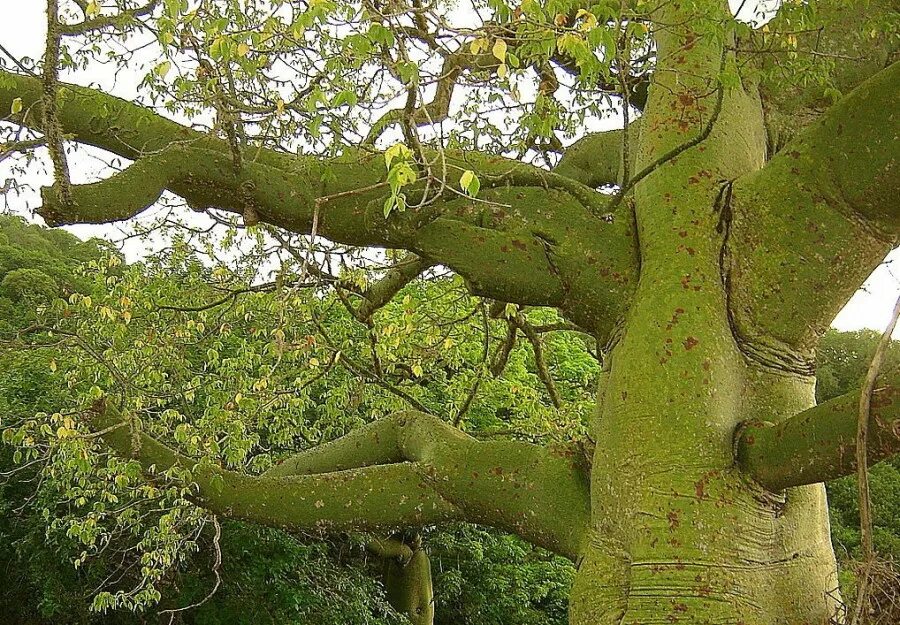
216,565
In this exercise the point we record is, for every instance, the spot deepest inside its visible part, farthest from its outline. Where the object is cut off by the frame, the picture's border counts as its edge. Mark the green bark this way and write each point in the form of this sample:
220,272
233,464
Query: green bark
575,257
710,282
404,470
819,444
407,578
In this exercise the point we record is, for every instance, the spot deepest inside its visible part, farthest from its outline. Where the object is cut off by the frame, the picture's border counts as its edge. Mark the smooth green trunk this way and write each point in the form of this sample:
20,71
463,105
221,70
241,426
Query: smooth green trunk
679,533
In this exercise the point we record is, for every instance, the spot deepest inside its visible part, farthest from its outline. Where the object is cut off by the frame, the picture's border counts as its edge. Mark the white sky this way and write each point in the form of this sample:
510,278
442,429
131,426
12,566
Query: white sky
22,33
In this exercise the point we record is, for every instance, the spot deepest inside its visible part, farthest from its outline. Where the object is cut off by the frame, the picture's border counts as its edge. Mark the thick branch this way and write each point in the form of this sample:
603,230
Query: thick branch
407,469
812,224
820,443
848,51
367,498
508,245
596,159
537,493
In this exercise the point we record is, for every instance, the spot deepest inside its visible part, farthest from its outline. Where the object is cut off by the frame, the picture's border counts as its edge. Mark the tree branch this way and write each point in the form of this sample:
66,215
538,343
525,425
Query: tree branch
380,293
366,498
403,470
819,444
810,226
596,159
792,101
515,486
499,243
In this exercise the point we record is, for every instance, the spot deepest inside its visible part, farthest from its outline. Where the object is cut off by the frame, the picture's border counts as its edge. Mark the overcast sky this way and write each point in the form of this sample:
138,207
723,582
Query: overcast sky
22,33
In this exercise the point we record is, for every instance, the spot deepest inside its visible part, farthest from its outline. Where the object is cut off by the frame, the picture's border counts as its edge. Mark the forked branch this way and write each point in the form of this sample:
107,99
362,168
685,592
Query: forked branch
408,469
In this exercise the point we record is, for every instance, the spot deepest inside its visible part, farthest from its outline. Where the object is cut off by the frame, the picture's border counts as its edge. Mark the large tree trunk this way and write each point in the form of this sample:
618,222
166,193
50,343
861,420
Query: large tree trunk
679,532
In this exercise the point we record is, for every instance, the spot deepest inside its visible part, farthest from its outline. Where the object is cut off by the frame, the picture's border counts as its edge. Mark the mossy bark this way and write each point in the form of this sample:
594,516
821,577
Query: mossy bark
710,280
680,532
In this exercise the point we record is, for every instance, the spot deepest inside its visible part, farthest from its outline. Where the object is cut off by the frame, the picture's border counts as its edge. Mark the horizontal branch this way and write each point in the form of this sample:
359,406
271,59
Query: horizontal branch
810,226
507,244
368,498
408,469
819,444
537,493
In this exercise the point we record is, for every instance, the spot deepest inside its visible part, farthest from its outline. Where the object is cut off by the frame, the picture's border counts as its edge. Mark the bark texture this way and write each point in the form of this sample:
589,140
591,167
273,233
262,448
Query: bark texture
709,277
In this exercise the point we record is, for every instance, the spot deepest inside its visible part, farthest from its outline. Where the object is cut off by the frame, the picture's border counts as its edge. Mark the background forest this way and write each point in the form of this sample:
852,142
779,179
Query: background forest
92,535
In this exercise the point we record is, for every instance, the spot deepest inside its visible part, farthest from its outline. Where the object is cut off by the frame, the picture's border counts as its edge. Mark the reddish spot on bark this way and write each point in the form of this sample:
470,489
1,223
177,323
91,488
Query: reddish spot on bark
682,233
750,439
700,487
497,471
706,365
674,521
519,244
686,99
690,342
794,154
504,249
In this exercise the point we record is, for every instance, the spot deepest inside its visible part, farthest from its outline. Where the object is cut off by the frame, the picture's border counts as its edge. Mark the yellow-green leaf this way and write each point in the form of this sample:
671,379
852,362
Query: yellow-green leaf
163,68
499,50
16,106
469,182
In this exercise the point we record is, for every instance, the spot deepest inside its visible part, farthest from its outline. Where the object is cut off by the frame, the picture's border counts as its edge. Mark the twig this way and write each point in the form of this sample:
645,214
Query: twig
216,564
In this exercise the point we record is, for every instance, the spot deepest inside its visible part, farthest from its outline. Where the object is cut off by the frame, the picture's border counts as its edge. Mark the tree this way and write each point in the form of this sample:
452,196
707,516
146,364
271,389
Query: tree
754,196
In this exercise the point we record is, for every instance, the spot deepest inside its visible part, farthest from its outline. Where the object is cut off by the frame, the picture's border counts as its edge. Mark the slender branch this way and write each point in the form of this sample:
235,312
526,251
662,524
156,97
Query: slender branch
51,124
862,462
397,277
540,362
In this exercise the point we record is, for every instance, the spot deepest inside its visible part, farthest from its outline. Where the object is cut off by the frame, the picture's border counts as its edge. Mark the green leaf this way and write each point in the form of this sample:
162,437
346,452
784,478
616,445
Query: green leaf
398,150
499,50
163,68
16,106
469,183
